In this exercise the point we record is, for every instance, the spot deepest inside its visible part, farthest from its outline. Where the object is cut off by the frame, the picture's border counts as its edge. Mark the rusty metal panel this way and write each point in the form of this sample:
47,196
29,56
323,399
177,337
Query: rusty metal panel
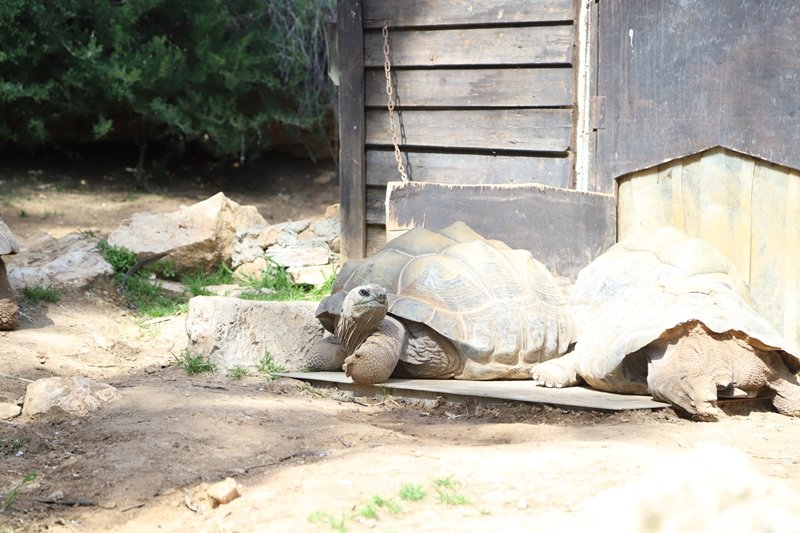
681,76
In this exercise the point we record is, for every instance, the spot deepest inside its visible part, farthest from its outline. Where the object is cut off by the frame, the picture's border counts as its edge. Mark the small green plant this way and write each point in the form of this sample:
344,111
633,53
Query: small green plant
389,504
120,258
23,213
148,298
199,280
40,293
238,372
11,497
164,269
194,363
16,444
268,366
412,493
367,511
447,491
336,524
276,284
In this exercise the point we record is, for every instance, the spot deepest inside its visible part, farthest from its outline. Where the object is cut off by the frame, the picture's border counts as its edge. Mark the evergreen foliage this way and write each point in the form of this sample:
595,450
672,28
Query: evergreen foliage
215,72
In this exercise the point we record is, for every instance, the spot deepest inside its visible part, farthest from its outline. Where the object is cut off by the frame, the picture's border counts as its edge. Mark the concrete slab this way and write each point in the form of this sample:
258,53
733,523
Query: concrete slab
520,390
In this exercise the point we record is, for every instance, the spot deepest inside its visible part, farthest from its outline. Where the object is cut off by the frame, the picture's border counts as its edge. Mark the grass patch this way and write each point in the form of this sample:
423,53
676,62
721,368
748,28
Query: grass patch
11,497
336,524
199,280
447,491
268,366
391,506
275,284
238,372
445,488
40,293
121,259
194,363
150,301
412,493
148,298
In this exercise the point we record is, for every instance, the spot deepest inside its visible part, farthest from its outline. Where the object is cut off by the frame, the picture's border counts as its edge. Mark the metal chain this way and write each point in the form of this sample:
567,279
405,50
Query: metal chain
387,67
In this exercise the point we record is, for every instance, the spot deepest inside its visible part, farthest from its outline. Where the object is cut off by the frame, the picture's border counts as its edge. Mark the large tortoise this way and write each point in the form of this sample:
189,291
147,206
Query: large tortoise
446,304
665,314
9,314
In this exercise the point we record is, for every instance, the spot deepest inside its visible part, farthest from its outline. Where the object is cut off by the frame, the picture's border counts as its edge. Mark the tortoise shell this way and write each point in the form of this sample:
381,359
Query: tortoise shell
500,308
650,283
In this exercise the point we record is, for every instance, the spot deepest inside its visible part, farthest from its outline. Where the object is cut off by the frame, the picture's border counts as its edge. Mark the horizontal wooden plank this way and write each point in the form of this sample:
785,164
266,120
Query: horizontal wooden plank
469,168
533,130
513,87
517,390
564,229
461,12
481,46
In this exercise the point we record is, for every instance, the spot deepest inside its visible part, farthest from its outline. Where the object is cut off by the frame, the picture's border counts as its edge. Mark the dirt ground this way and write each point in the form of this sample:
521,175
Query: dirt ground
305,458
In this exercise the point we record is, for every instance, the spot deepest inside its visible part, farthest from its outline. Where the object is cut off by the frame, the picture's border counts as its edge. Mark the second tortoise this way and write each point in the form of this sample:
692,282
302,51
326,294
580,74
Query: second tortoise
664,314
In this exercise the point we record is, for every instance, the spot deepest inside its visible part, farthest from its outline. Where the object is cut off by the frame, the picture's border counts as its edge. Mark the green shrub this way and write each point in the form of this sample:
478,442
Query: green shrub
216,72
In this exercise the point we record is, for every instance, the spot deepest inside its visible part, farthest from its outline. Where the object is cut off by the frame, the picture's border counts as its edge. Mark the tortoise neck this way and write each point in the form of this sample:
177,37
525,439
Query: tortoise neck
353,329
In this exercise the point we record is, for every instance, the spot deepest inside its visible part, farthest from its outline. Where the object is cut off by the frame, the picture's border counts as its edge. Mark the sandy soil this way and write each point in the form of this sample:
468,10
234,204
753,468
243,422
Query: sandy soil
306,459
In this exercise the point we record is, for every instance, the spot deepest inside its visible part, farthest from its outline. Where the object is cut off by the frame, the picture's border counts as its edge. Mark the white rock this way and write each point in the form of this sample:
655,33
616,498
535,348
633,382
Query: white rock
75,395
253,270
71,261
9,411
311,275
224,492
200,235
231,332
299,257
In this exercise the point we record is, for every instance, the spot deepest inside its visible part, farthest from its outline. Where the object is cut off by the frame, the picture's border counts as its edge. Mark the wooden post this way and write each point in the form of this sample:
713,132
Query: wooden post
352,168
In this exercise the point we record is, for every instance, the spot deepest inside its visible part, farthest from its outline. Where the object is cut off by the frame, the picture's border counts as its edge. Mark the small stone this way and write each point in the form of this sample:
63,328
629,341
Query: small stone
75,395
102,342
332,211
522,504
224,492
311,275
9,411
336,245
251,270
299,257
268,237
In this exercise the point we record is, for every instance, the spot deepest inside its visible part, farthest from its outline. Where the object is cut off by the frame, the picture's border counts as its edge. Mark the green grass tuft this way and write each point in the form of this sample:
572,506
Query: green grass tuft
149,300
446,490
238,372
268,366
412,493
11,497
40,293
121,259
199,280
194,364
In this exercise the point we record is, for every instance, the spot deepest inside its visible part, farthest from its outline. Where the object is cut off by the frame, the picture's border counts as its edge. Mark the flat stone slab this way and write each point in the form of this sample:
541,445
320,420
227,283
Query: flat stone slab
516,390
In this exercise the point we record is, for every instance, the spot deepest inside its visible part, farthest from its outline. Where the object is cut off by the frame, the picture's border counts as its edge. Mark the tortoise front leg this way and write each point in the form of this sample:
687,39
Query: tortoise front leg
376,358
327,355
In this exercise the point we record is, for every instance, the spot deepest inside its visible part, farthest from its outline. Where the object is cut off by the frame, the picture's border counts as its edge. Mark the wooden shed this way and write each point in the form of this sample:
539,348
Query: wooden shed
556,124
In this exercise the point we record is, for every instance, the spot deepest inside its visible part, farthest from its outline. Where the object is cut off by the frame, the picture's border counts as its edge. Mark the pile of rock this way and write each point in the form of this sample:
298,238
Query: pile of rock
308,249
219,230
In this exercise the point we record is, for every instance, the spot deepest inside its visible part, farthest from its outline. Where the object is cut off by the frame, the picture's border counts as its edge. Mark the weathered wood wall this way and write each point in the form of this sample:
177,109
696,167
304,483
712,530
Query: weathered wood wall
747,208
485,95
